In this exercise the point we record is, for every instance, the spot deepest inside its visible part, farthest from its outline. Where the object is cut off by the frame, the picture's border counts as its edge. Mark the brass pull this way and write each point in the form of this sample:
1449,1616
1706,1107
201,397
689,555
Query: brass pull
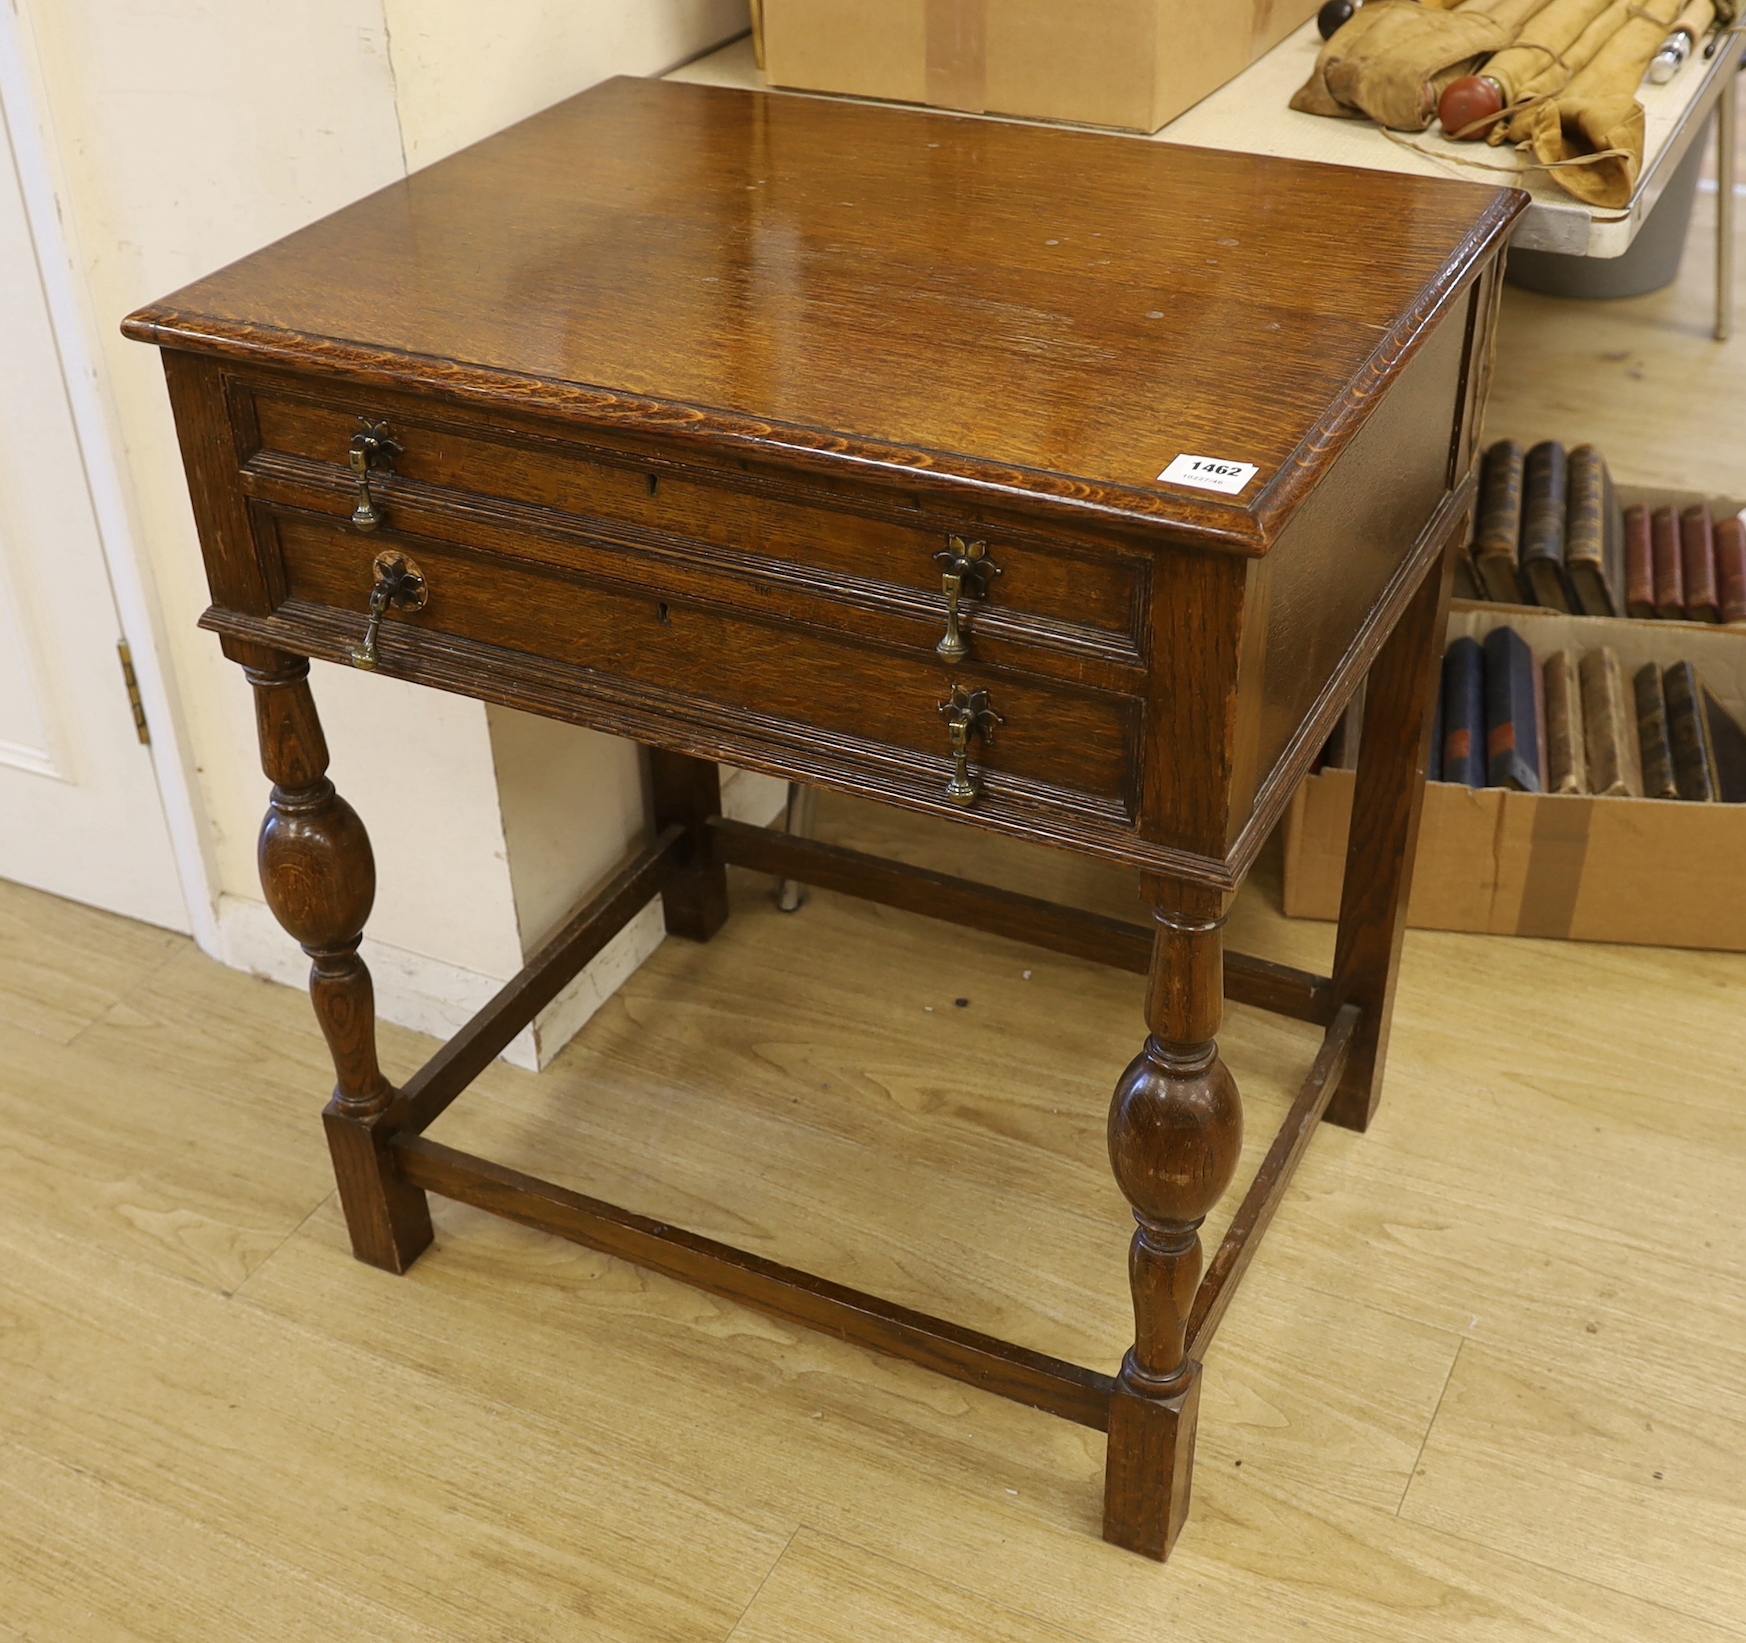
964,572
400,584
967,716
372,447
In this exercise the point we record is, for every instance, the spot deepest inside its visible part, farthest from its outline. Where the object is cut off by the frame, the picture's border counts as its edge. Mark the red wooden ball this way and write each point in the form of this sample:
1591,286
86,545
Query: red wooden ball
1469,99
1334,16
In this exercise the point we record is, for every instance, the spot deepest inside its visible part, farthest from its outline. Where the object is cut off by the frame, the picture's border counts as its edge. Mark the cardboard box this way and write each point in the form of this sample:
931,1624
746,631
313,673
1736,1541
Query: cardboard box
1646,871
1133,64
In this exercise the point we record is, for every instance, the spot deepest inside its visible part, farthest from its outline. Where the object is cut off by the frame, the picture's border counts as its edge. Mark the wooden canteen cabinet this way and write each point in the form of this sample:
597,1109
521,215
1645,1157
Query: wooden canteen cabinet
829,440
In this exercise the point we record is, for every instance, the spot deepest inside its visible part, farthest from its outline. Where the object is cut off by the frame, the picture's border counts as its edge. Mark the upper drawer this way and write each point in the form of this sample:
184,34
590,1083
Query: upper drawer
1054,595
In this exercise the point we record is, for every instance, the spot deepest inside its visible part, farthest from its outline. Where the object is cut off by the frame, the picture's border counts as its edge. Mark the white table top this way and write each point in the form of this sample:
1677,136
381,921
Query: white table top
1251,115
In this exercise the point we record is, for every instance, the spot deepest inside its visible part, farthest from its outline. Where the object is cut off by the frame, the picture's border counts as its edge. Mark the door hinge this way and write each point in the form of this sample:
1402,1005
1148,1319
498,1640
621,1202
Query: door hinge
141,729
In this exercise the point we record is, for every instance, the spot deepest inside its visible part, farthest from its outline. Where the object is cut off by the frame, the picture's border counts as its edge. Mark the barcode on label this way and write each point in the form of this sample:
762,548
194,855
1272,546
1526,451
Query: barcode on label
1209,473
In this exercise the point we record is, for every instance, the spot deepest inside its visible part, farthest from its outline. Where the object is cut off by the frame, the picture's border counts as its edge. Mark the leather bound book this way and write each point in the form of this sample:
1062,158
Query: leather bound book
1613,552
1665,546
1539,676
1731,568
1652,742
1586,530
1566,754
1639,563
1464,713
1512,720
1609,728
1545,490
1497,536
1688,732
1729,742
1697,557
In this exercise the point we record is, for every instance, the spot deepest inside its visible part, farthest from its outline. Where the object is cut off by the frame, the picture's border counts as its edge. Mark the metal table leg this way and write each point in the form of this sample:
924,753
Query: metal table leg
1727,143
791,894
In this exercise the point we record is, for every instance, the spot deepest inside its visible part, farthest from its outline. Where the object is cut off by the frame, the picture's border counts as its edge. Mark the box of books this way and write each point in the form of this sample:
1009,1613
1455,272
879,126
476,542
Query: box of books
1551,529
1589,783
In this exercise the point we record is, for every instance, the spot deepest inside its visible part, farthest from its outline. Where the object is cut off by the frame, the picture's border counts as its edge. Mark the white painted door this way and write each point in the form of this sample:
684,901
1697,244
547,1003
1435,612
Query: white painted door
80,813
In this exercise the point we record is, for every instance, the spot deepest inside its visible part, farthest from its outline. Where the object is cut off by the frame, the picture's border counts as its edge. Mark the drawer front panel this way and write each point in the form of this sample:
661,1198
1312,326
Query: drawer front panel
1083,592
1078,740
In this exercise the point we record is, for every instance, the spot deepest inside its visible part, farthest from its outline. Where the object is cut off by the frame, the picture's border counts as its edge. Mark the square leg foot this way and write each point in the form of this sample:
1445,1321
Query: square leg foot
388,1220
1149,1469
1355,1102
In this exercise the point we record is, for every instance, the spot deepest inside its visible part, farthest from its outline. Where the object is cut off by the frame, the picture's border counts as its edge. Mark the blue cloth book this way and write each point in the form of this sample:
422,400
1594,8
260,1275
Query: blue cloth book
1463,714
1512,713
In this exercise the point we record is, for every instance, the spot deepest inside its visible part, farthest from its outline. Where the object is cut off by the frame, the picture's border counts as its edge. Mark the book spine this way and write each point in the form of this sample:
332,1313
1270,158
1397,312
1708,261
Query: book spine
1434,764
1688,732
1585,534
1652,742
1669,564
1512,727
1464,713
1613,552
1728,741
1566,761
1498,532
1639,563
1697,555
1609,728
1545,490
1731,568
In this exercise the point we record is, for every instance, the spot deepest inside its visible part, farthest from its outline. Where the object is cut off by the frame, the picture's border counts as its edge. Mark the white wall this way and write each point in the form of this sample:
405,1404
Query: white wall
183,135
464,68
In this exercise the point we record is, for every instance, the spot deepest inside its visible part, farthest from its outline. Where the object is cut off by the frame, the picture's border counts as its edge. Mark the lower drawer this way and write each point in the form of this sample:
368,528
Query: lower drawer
802,684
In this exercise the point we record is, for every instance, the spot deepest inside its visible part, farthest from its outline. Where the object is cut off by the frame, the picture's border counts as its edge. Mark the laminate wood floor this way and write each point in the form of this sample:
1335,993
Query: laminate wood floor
1486,1380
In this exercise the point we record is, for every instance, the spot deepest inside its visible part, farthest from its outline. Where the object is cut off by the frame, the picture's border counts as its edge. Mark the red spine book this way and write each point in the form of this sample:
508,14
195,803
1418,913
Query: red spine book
1639,563
1697,544
1669,567
1731,568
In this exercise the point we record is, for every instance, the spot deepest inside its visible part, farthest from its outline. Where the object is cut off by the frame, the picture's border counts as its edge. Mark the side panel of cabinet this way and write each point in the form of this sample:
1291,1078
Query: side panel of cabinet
1309,598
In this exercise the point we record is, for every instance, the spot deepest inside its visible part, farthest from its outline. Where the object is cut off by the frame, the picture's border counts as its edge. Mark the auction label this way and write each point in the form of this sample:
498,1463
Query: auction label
1207,473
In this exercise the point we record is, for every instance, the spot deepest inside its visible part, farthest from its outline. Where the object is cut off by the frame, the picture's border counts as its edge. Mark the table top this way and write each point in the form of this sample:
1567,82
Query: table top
1008,307
1251,114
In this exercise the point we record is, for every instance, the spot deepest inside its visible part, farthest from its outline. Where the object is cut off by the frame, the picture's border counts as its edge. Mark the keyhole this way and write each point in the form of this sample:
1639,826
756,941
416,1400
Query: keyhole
662,616
654,485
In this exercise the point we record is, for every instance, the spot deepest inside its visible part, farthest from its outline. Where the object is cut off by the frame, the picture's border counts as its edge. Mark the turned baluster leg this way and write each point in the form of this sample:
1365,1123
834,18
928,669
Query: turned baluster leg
320,880
1393,754
688,791
1175,1131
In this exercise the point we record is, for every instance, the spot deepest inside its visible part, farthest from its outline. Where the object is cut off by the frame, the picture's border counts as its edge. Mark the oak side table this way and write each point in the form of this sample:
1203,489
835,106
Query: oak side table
1060,484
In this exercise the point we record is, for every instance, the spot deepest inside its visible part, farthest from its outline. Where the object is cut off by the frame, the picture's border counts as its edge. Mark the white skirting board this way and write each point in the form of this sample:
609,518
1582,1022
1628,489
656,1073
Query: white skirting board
433,996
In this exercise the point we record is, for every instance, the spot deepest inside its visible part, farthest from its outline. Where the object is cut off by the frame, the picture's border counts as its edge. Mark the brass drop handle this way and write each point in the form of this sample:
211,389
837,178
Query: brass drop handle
964,572
967,716
399,584
372,447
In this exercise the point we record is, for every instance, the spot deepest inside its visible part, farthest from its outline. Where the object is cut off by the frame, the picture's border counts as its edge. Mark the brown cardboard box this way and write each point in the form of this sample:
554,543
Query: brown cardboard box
1647,871
1135,64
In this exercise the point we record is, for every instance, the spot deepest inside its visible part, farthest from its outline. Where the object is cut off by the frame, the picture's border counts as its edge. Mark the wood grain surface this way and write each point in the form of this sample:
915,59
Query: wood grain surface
682,434
200,1377
452,468
868,336
865,288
